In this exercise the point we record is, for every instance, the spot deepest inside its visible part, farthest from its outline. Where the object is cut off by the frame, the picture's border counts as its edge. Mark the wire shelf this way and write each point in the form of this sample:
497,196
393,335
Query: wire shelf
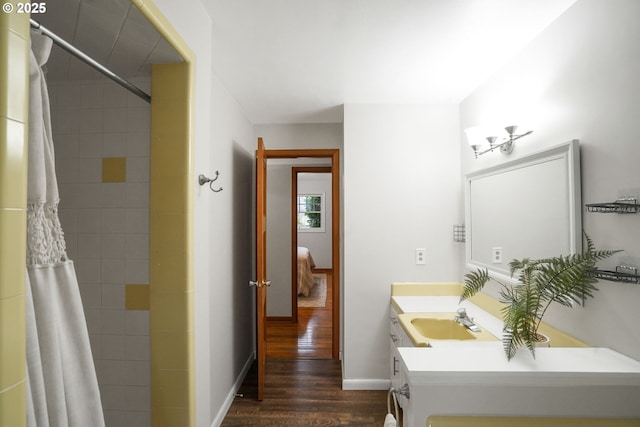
624,205
622,273
459,234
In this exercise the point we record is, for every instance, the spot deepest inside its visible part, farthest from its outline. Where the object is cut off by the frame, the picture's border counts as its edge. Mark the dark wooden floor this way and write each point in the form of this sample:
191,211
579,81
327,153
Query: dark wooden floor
305,392
303,385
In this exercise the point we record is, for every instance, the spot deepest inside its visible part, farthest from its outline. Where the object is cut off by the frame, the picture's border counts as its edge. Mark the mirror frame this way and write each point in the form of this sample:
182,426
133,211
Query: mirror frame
569,152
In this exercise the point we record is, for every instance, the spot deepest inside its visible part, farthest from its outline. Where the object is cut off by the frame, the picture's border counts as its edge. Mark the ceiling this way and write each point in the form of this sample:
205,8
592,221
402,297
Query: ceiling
112,32
299,61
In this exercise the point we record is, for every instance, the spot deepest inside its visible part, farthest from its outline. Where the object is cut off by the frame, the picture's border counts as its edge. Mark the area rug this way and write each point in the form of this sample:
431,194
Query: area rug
318,295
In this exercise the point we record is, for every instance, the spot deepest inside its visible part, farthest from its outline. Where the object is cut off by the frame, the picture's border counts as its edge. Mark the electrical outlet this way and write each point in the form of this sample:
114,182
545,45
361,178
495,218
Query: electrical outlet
496,255
421,254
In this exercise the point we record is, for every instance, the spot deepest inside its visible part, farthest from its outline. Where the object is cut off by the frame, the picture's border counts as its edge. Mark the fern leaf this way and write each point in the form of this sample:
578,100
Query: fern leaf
473,283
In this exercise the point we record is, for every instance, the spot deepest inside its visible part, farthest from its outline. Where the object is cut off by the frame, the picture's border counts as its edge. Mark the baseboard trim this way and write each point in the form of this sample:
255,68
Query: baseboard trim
217,421
362,384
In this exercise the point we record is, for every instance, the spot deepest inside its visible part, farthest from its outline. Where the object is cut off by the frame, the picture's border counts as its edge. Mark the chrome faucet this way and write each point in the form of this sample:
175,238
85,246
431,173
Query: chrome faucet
463,318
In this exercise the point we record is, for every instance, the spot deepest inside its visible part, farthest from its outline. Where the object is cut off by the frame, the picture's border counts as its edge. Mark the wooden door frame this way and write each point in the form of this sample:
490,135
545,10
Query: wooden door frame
294,229
334,155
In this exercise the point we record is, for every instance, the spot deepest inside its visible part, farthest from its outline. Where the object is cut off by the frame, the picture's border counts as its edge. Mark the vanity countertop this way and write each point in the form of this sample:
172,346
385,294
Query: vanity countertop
486,362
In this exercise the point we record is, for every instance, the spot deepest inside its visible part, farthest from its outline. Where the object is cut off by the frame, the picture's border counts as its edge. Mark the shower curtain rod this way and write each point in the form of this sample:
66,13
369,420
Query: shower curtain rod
90,61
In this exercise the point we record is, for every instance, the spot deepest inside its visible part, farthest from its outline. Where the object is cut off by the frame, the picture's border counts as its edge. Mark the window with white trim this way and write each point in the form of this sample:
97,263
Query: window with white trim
311,215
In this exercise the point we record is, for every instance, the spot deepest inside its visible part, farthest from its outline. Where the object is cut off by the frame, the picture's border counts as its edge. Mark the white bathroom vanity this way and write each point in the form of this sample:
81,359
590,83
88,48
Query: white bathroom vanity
467,377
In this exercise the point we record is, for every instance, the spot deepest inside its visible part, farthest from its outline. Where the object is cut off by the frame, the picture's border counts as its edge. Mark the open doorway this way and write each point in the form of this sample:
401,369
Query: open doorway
303,316
311,232
312,256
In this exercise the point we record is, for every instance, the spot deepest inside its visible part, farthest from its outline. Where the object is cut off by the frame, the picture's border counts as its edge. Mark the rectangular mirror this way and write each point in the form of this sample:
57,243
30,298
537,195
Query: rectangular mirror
527,207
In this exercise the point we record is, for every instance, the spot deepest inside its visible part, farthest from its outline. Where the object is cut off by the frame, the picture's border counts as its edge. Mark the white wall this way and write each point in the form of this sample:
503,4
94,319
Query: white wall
224,141
300,136
401,192
279,237
230,260
579,79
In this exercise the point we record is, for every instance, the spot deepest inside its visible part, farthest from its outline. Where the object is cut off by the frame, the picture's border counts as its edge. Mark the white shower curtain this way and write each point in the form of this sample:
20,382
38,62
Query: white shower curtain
62,385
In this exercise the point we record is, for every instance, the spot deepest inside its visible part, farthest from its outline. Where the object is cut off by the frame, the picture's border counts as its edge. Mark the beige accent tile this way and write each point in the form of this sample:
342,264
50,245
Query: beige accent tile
168,271
18,23
13,159
169,194
114,169
14,74
12,341
137,297
12,252
170,349
169,160
170,249
165,415
171,305
171,386
13,408
169,232
430,289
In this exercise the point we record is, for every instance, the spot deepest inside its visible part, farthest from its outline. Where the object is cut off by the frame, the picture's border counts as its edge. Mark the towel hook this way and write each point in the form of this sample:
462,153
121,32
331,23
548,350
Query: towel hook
203,180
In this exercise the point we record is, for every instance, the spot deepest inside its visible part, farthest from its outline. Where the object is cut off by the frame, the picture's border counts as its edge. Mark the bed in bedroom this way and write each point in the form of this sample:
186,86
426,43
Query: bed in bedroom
305,271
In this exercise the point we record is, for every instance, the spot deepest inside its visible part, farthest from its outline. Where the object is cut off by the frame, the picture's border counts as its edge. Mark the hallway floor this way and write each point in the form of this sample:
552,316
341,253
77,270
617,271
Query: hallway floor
305,392
311,337
303,385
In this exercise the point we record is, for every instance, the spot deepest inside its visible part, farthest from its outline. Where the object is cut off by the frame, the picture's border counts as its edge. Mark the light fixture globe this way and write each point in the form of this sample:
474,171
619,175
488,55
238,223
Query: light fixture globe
511,130
475,138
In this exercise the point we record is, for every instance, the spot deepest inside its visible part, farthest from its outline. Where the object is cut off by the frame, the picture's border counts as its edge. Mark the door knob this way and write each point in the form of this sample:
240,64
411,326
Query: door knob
260,284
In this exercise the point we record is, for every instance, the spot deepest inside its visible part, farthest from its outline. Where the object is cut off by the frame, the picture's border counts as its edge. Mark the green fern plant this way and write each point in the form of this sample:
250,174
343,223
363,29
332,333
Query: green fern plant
562,279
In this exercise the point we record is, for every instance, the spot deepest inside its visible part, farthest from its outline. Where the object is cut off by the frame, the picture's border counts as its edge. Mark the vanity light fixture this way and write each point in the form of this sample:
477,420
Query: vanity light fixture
476,140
